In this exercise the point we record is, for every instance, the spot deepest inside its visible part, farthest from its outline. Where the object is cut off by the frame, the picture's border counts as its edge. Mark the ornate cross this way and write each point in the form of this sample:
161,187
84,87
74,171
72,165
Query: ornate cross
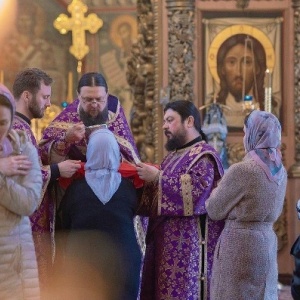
78,24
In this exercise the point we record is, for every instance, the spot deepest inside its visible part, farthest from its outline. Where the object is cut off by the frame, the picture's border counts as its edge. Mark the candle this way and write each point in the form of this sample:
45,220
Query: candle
215,144
70,87
268,91
215,98
2,76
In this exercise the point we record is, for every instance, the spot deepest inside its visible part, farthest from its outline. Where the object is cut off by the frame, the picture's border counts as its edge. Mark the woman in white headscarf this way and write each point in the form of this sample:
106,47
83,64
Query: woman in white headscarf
98,212
250,198
20,189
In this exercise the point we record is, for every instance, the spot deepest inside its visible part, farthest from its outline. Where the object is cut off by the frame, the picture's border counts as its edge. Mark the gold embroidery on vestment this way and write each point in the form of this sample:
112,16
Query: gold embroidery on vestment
127,145
196,150
186,186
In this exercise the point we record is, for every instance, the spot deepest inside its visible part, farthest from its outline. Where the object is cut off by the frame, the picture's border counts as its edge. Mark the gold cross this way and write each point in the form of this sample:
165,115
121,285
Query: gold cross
78,24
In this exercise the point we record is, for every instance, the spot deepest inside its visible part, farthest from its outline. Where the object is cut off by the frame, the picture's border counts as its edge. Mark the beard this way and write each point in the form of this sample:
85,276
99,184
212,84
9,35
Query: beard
35,110
88,120
238,96
175,142
237,91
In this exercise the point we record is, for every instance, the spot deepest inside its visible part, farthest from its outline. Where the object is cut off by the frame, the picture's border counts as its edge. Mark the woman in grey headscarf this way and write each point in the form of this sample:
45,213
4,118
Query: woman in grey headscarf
98,212
250,198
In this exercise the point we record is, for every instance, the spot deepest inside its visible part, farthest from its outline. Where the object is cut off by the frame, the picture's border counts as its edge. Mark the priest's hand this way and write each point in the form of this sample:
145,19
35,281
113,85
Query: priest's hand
147,172
68,167
75,133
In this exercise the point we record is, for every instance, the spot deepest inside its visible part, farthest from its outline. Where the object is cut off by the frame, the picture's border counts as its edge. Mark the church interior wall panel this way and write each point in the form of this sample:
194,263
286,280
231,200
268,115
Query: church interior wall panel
32,41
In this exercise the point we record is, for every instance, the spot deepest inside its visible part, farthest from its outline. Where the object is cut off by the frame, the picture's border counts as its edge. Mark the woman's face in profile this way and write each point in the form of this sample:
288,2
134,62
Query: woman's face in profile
5,121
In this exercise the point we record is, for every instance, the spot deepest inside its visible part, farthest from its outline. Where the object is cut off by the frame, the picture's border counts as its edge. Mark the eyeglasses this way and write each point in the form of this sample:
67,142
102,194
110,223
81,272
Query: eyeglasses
99,100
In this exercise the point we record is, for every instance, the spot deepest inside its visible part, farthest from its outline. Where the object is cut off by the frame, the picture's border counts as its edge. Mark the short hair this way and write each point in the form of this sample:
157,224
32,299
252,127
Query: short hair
185,109
30,80
92,79
260,60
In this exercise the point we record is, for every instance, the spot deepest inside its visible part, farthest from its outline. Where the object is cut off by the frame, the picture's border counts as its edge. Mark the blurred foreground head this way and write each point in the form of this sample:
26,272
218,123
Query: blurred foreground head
91,268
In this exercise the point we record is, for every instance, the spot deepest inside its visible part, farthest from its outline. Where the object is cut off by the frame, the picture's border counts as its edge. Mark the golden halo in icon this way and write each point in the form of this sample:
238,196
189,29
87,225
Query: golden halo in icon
226,33
123,20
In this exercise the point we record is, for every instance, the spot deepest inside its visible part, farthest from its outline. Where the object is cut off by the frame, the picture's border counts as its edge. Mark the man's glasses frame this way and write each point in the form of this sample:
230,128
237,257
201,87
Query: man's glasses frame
90,100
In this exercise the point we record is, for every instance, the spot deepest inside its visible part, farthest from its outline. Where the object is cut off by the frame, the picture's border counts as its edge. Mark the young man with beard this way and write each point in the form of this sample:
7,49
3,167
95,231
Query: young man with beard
32,92
181,238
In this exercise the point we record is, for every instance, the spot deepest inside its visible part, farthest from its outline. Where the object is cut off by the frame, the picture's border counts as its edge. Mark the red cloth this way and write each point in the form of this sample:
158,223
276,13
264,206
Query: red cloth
65,182
126,169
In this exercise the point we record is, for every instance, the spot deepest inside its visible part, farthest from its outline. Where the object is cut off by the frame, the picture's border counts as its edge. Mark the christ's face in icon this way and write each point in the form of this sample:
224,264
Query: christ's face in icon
239,66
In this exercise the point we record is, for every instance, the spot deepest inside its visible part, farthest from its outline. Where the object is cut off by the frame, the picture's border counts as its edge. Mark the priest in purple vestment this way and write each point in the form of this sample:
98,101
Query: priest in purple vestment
32,92
65,137
181,238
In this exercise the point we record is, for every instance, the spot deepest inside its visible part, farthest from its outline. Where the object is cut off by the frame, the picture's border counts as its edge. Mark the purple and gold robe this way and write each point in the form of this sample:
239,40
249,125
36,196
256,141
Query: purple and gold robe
42,220
178,259
53,144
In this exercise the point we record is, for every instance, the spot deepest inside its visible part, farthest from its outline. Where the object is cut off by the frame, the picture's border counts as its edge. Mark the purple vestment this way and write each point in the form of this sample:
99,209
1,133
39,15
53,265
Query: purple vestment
179,255
54,135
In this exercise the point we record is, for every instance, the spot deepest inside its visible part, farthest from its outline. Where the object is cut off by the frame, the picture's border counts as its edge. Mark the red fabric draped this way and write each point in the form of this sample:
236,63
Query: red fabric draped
126,169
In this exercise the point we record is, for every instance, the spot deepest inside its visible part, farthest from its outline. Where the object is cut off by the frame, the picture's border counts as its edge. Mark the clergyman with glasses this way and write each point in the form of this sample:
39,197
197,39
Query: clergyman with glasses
66,136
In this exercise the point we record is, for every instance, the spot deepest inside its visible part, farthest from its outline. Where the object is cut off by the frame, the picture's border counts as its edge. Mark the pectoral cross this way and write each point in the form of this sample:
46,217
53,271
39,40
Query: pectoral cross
78,24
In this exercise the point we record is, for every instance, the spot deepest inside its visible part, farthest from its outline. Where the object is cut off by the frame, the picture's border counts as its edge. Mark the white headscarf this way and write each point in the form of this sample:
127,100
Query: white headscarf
103,161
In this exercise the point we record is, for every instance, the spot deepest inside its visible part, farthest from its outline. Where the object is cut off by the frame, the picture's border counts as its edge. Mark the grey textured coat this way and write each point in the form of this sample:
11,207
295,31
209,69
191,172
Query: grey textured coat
245,259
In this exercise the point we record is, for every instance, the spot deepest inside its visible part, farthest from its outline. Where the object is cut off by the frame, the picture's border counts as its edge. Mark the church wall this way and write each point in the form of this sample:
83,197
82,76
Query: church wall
32,41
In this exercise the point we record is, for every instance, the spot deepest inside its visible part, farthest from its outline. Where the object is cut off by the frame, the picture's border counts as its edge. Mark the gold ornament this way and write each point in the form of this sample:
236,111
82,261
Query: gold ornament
78,24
